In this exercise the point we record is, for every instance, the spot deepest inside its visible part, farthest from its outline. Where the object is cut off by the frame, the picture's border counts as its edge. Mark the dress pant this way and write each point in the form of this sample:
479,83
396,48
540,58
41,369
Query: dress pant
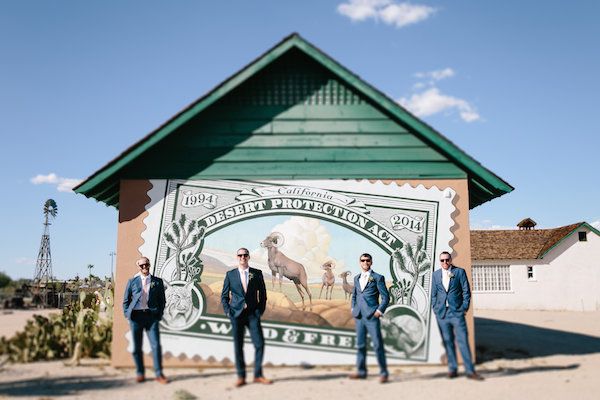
454,329
144,320
373,326
238,329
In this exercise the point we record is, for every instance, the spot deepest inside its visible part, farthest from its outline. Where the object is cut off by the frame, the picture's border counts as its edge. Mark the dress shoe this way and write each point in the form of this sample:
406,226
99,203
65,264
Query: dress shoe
240,382
140,378
162,379
384,379
452,374
263,380
475,376
355,376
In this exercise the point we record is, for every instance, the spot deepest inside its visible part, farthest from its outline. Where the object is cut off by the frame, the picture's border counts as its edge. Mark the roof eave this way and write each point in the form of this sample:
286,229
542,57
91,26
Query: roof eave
489,185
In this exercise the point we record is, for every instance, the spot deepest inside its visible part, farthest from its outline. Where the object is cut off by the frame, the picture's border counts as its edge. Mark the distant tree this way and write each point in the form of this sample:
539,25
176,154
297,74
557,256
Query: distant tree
4,280
89,267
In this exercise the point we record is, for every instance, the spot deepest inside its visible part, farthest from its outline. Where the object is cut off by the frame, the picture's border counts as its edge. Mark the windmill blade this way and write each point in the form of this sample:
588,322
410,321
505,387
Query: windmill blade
50,208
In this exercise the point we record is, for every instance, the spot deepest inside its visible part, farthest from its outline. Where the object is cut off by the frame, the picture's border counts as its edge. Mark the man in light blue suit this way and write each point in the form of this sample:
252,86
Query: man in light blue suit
450,299
144,304
244,299
367,309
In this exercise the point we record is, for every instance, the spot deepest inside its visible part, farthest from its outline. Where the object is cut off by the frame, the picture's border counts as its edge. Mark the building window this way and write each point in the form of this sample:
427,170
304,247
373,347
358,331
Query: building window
582,236
491,278
530,273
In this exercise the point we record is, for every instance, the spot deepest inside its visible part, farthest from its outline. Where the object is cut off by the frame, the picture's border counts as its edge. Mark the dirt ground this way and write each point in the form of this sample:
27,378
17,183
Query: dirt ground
522,354
14,320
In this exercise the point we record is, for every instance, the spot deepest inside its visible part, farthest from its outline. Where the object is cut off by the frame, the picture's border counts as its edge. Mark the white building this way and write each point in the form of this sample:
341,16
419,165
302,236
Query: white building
537,269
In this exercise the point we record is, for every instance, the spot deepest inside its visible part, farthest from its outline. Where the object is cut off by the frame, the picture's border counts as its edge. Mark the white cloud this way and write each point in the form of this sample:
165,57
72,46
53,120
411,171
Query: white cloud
62,184
388,11
436,75
596,224
305,241
432,101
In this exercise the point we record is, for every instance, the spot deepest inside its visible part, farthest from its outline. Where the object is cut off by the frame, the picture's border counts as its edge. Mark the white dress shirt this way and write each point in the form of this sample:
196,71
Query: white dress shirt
364,279
142,304
446,277
446,280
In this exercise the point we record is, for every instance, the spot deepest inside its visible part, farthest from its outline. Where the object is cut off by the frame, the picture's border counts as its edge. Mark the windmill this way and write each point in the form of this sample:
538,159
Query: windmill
43,267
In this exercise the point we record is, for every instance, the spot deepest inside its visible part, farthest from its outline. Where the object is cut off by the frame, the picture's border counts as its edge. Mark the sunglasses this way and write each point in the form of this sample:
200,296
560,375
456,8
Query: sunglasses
244,255
144,265
444,260
365,260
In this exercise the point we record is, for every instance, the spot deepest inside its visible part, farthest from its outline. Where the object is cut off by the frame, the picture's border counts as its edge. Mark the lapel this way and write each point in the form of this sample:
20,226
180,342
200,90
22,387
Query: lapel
439,278
137,283
250,277
452,278
150,289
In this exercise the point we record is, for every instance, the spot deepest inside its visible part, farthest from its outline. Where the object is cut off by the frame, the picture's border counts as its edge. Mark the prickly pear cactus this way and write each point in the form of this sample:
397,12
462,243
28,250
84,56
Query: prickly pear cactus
79,331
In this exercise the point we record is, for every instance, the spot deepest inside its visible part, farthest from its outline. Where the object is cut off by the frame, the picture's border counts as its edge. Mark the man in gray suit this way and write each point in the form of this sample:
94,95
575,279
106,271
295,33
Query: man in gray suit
450,299
369,286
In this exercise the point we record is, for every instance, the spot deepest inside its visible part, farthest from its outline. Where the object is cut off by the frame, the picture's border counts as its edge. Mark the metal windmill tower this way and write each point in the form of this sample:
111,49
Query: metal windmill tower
43,267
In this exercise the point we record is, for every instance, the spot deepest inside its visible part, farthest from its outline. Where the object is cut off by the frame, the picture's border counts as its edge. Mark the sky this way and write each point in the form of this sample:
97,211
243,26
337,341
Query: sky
513,83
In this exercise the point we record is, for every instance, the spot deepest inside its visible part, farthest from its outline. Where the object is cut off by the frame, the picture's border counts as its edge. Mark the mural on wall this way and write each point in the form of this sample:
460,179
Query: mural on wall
306,238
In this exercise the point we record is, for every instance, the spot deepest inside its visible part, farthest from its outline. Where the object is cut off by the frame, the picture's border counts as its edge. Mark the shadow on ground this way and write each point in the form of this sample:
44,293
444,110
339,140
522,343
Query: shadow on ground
59,386
487,373
510,340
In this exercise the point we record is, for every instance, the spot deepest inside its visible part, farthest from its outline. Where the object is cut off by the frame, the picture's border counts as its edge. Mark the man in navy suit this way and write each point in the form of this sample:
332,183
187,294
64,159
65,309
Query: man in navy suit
450,298
244,299
144,304
369,286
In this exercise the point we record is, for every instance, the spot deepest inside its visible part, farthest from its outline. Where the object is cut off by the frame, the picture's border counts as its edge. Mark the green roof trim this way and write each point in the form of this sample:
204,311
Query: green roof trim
575,229
484,185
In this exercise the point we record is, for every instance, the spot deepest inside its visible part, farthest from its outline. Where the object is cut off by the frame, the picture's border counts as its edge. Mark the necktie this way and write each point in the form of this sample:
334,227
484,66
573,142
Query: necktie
144,299
245,281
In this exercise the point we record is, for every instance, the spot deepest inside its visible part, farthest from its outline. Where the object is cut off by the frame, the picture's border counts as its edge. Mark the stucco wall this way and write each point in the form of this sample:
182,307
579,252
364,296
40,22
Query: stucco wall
567,278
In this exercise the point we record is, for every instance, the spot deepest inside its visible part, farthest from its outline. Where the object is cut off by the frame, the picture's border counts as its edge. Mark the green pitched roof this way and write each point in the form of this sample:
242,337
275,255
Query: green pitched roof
294,113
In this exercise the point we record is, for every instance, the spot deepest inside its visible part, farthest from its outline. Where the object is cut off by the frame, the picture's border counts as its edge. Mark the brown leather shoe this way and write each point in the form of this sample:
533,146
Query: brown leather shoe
162,380
384,379
140,378
355,376
240,382
475,376
452,374
263,380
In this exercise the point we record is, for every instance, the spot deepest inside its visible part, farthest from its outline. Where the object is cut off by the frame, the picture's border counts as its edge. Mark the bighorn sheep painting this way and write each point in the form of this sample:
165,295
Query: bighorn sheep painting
348,287
281,265
328,279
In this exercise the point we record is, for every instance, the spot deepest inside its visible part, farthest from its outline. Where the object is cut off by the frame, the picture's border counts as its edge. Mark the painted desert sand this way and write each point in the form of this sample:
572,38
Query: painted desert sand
522,354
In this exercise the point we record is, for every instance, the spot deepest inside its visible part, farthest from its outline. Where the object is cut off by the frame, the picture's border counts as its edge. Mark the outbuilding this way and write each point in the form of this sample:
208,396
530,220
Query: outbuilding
295,147
537,269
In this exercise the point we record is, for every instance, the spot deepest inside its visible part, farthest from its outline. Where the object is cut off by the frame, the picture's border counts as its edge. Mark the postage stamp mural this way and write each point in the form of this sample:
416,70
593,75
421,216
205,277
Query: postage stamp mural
318,228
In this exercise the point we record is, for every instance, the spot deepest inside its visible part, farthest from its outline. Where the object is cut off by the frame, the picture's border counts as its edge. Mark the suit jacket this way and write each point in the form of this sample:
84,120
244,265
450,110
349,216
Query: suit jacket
156,296
458,294
366,302
255,297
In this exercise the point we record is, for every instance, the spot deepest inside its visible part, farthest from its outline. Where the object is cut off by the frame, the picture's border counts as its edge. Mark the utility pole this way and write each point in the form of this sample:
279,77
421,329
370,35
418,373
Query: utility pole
112,255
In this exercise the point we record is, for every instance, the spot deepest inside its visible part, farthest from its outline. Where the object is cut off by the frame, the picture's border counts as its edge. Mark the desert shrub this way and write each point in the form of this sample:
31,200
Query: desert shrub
56,336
